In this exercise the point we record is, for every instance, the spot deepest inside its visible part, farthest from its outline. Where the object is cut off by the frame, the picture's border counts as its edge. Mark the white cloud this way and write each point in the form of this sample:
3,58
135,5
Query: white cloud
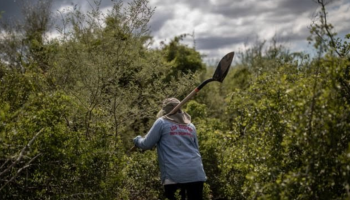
65,9
339,16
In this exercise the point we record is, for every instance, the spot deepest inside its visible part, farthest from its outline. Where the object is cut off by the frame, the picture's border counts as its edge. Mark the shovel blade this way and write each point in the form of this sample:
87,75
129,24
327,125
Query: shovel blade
223,67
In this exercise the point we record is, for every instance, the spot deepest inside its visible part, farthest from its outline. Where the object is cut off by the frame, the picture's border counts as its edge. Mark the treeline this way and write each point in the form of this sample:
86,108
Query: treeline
277,128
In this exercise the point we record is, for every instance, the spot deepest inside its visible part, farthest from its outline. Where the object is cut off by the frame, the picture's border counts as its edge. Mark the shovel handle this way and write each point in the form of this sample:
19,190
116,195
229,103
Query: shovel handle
185,100
188,97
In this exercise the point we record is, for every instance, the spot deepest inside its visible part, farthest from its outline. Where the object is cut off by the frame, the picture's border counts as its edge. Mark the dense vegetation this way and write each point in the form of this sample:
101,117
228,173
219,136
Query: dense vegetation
277,128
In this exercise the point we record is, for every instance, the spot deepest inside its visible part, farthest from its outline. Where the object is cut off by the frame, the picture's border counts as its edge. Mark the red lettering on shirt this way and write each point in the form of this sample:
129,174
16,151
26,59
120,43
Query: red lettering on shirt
185,127
181,134
174,127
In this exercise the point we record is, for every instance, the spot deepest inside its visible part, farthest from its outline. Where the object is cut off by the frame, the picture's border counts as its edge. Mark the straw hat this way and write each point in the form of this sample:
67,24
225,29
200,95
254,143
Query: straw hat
179,117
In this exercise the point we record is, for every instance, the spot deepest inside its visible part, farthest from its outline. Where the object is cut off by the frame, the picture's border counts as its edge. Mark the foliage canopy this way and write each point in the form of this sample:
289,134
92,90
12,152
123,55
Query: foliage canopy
277,128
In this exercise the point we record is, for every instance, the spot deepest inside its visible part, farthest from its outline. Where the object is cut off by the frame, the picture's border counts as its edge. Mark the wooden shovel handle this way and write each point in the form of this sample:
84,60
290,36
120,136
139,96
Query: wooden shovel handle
185,100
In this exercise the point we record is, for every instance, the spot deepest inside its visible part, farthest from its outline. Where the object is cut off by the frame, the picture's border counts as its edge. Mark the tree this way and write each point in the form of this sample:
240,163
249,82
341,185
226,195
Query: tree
181,58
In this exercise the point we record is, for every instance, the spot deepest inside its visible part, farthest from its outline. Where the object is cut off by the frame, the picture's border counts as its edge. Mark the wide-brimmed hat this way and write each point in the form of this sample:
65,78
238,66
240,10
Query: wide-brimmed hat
179,117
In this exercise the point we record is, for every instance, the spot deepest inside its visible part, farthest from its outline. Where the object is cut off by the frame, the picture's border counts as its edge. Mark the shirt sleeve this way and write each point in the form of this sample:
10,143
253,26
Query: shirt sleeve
152,137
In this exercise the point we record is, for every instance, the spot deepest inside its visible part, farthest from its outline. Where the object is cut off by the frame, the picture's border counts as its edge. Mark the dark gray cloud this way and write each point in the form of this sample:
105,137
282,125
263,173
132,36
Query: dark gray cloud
242,8
159,19
206,43
296,7
11,9
233,10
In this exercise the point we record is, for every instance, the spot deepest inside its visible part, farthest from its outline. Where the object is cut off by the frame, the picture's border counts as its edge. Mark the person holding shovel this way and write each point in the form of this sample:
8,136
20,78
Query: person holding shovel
178,153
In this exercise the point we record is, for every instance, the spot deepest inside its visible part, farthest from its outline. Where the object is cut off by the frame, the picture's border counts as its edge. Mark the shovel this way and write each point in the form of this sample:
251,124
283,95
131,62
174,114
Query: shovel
219,75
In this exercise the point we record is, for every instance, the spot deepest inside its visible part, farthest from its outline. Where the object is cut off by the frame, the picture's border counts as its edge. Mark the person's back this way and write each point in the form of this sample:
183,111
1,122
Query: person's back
178,153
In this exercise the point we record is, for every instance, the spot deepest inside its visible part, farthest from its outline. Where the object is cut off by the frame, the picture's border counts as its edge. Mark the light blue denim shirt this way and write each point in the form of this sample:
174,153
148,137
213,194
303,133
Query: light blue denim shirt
177,148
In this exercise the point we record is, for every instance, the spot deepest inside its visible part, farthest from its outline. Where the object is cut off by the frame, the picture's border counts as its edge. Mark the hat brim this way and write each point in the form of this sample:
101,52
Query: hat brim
161,113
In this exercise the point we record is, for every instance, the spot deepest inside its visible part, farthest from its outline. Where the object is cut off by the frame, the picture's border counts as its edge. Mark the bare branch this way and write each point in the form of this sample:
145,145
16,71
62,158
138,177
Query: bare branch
19,171
327,27
22,152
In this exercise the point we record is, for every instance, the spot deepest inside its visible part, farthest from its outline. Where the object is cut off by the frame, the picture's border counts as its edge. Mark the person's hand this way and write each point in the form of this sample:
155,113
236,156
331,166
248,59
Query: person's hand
134,148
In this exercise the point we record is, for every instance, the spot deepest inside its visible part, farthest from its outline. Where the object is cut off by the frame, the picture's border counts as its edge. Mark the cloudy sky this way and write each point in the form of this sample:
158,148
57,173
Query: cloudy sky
221,26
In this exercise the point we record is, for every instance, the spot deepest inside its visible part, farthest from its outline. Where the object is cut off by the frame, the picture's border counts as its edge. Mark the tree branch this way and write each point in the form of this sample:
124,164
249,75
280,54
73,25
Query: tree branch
19,171
22,152
327,28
